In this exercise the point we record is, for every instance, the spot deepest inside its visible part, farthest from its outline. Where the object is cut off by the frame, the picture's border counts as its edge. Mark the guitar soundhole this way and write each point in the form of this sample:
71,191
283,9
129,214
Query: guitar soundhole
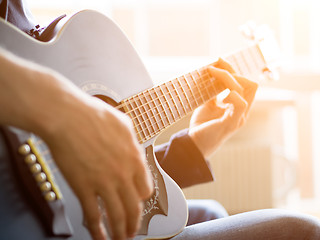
107,100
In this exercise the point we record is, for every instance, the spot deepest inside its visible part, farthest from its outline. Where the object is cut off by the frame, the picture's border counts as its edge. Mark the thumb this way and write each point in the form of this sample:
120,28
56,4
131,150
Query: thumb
239,106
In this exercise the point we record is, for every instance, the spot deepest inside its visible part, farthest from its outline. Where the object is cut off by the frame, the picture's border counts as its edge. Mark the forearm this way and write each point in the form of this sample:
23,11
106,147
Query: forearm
183,161
32,97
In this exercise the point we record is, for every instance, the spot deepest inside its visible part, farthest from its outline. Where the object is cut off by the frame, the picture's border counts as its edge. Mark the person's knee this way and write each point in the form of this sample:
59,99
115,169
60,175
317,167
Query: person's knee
214,209
205,210
300,226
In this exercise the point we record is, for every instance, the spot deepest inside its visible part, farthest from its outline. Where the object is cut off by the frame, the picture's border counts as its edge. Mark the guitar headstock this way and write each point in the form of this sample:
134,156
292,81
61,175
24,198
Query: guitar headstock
267,44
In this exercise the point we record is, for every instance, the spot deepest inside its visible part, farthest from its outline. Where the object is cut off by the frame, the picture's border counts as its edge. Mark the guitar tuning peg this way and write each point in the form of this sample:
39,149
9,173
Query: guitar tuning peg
270,74
249,30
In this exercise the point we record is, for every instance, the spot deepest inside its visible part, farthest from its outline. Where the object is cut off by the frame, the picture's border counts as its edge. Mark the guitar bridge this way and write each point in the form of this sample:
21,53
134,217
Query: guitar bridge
38,185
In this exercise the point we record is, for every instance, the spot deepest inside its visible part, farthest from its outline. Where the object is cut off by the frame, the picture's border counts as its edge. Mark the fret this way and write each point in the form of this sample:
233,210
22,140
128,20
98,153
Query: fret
165,106
253,63
173,101
177,100
156,100
242,66
161,110
256,58
158,107
246,64
259,59
153,111
168,104
203,85
188,106
147,108
194,81
140,117
192,92
212,86
143,114
181,96
129,108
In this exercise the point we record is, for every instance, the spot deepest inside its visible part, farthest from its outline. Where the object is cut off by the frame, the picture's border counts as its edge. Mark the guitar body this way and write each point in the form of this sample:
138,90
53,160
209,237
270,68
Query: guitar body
91,51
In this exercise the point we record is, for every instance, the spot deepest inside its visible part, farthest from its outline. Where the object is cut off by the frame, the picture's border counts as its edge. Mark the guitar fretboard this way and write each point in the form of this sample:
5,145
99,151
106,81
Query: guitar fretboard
155,109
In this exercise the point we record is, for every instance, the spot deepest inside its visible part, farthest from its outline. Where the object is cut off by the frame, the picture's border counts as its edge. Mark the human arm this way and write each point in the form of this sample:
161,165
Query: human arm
84,134
183,161
214,122
185,156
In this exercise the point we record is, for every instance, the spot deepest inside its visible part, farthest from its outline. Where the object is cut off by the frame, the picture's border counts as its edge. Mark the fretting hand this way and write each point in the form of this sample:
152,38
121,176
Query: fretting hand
212,123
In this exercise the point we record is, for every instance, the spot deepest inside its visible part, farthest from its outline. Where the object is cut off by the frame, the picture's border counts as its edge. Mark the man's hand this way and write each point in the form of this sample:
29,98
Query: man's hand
98,153
212,123
92,143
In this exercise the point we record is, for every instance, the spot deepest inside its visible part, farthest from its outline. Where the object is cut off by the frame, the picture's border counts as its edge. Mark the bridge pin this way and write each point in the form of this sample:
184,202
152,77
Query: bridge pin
24,149
30,159
41,177
45,187
35,168
50,196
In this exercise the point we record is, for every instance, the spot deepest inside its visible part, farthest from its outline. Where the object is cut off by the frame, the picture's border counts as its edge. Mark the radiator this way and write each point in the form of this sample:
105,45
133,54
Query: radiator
248,177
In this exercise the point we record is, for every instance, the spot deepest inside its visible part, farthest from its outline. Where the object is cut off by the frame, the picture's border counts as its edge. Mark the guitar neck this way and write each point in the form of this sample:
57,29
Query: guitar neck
155,109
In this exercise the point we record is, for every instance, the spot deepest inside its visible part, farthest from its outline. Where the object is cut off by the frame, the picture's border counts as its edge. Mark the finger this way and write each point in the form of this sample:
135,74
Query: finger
133,207
239,108
225,80
216,109
116,216
143,180
93,216
224,64
250,89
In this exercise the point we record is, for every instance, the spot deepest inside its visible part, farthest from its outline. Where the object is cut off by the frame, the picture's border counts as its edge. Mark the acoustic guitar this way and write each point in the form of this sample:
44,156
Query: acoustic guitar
88,48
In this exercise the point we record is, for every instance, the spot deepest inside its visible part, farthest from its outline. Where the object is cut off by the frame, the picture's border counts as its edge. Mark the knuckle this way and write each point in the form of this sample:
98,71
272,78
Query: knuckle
136,211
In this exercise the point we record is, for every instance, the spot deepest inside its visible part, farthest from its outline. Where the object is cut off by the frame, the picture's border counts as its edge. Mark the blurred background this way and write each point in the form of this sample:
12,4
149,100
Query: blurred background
274,161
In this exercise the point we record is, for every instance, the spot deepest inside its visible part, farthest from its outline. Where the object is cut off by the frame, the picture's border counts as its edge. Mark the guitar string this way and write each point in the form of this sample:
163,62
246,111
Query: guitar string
252,51
122,104
152,90
150,110
181,87
175,118
159,113
245,68
255,57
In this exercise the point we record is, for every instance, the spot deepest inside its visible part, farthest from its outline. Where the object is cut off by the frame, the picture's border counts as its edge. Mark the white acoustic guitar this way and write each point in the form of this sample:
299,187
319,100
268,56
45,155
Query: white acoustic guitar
90,50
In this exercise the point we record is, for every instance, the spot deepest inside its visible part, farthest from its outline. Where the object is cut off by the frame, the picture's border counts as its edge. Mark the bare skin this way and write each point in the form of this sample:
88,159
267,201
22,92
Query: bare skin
92,143
86,136
213,123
